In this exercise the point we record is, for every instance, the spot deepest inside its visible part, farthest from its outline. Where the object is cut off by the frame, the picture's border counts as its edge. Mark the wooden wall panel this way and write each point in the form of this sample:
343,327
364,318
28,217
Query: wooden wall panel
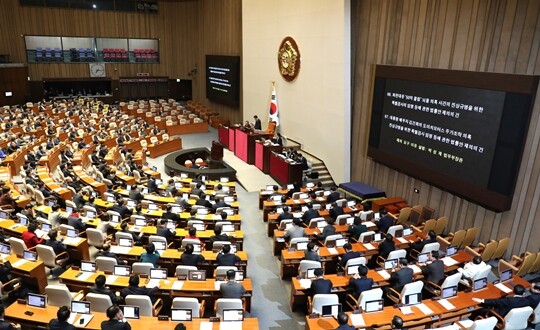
475,35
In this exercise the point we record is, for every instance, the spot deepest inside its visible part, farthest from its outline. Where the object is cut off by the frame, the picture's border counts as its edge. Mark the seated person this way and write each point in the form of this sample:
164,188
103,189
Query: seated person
285,214
151,255
203,202
170,215
58,247
296,231
134,288
220,202
311,252
343,321
502,305
387,246
116,320
100,288
225,258
386,221
434,271
218,236
336,211
310,213
106,252
328,230
349,254
29,236
121,209
402,276
60,322
357,228
192,234
419,245
190,259
163,231
360,282
320,285
397,323
124,228
472,267
55,217
75,221
232,289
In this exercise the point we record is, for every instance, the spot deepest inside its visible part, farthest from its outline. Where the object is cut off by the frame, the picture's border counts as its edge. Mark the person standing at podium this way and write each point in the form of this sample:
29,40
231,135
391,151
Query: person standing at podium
257,124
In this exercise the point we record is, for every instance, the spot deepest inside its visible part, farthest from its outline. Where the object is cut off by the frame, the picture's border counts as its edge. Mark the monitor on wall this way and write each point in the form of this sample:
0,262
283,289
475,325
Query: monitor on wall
223,79
461,131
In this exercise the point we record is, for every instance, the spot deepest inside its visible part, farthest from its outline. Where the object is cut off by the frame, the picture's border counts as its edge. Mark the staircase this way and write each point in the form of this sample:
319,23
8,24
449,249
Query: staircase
317,164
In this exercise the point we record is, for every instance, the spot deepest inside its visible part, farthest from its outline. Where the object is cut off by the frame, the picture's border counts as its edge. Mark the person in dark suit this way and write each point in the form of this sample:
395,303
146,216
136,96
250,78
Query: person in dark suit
434,272
218,236
220,202
285,214
328,230
311,252
502,305
349,254
385,222
121,208
320,285
387,246
152,186
134,288
203,202
336,210
60,322
115,321
357,228
106,252
4,325
295,188
334,195
257,124
100,288
225,258
310,213
360,282
163,231
343,320
197,190
403,276
170,215
419,245
135,194
232,289
190,259
534,297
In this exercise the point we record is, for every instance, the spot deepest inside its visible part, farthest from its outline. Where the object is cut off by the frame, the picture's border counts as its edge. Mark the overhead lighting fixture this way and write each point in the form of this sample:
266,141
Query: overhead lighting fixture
94,6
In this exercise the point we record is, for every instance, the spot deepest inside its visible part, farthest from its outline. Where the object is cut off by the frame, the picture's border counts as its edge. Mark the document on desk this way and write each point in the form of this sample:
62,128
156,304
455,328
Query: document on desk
84,276
384,274
111,279
217,285
72,240
19,263
402,240
449,261
368,224
297,201
120,249
406,310
216,217
369,246
424,309
333,251
234,325
153,283
503,288
206,326
86,318
177,285
357,320
415,269
305,283
446,304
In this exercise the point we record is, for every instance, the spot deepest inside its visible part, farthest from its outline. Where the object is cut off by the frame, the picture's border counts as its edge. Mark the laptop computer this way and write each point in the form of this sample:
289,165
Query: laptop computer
5,248
407,231
69,209
80,307
390,264
413,299
144,191
224,179
269,187
160,246
449,292
451,250
197,248
351,270
300,246
180,314
183,175
480,284
37,300
377,237
239,275
111,199
131,203
152,207
197,275
423,258
139,223
228,199
232,315
122,270
176,209
202,211
374,306
88,266
130,312
506,275
341,241
22,219
310,273
227,228
158,273
115,218
29,255
125,242
72,233
90,214
331,310
46,227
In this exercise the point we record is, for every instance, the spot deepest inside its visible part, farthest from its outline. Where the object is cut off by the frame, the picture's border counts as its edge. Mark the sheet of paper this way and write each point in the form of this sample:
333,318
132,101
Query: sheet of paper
369,246
305,283
446,304
206,326
19,263
368,224
217,285
234,325
153,283
333,251
503,288
297,201
84,276
415,269
111,279
384,274
449,261
424,309
357,320
72,317
177,285
72,240
87,318
402,240
406,310
120,249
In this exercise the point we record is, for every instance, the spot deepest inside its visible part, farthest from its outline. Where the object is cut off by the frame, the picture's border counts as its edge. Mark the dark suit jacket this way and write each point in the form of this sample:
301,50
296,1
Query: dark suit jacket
503,305
360,285
57,246
385,248
335,211
54,324
434,272
121,209
76,223
165,232
140,290
6,326
355,231
310,255
349,255
228,259
384,223
191,259
136,195
231,289
418,246
204,202
284,215
219,204
327,230
321,286
104,290
310,214
345,327
152,186
401,277
114,324
171,216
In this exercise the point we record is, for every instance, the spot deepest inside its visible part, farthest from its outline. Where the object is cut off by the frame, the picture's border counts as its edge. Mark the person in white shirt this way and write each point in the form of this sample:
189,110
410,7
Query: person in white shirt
472,267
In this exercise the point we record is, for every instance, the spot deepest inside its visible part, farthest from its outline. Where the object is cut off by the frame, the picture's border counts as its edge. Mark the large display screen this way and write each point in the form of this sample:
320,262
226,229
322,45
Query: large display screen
223,79
461,131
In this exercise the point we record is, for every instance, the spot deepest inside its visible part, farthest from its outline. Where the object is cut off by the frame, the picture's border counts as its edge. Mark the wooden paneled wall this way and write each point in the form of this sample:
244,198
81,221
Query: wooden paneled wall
187,30
475,35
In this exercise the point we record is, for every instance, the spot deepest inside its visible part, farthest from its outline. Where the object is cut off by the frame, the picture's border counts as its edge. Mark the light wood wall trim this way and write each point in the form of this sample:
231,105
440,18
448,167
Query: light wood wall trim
474,35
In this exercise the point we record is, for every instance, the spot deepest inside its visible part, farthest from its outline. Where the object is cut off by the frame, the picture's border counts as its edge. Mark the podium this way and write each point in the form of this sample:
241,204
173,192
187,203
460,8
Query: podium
216,153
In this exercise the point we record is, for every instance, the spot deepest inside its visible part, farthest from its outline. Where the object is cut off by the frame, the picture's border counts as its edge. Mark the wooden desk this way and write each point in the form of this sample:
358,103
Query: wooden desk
5,175
284,172
223,134
16,159
163,148
262,155
32,273
251,145
45,177
463,304
83,176
378,204
187,128
42,316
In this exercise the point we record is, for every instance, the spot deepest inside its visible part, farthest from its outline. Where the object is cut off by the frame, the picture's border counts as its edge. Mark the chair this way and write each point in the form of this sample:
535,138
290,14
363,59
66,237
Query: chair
17,246
64,228
154,140
319,300
355,262
98,302
362,238
396,254
49,258
501,248
535,318
187,241
341,202
536,265
7,288
120,234
183,270
520,266
59,295
308,264
146,308
458,237
485,251
479,324
294,241
430,247
155,238
516,319
95,237
484,272
197,309
470,237
222,270
395,229
227,303
360,303
449,281
141,268
408,289
106,264
165,137
341,219
442,222
428,225
330,240
283,223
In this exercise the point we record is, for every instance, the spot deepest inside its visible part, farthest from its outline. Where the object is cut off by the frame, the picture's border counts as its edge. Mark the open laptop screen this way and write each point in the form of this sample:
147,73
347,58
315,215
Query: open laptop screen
301,246
506,275
130,312
233,315
5,248
310,273
126,242
413,299
72,233
29,255
331,310
158,273
449,292
423,257
88,266
389,264
46,227
451,250
37,300
160,246
351,270
122,270
178,314
374,306
197,275
81,307
480,284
